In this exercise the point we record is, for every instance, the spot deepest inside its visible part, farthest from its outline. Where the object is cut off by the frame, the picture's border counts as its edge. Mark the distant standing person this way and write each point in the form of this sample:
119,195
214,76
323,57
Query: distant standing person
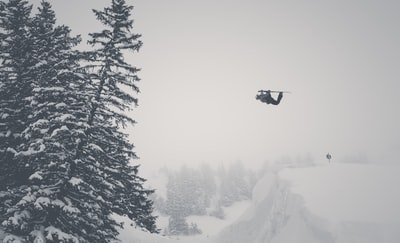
329,157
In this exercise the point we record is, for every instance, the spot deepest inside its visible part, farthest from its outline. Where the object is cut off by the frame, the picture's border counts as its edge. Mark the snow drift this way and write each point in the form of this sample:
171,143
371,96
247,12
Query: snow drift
341,203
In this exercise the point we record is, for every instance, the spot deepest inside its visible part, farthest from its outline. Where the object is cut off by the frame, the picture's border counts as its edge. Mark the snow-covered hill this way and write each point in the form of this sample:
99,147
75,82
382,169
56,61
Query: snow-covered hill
330,203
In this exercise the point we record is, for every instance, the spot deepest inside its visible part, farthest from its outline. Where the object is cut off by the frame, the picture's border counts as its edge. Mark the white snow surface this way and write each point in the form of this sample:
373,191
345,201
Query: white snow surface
349,192
75,181
37,175
325,203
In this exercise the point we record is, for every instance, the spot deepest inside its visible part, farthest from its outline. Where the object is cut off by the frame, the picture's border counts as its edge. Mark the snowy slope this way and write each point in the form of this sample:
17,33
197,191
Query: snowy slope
343,203
349,192
209,226
354,202
330,203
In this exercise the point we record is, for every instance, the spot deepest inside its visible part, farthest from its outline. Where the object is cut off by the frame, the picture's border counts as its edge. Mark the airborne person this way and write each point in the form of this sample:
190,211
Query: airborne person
266,97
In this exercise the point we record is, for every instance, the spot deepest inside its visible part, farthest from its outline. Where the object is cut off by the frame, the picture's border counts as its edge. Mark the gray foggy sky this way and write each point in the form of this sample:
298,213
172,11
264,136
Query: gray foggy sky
204,61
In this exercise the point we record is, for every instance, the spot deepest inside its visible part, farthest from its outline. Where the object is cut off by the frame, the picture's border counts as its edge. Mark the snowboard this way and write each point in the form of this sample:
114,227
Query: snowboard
275,91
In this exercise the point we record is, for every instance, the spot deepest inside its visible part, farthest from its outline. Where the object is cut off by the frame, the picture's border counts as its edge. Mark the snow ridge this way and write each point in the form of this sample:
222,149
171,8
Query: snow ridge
281,211
266,218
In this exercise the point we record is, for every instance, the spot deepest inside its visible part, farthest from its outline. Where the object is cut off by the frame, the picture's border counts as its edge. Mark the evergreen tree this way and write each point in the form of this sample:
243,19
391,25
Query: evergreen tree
208,184
116,180
177,205
225,191
177,225
15,85
240,181
235,185
15,90
182,201
77,160
185,193
66,165
194,191
42,207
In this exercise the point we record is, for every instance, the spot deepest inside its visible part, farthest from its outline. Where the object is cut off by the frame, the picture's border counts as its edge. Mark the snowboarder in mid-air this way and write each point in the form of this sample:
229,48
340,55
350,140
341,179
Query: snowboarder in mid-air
266,97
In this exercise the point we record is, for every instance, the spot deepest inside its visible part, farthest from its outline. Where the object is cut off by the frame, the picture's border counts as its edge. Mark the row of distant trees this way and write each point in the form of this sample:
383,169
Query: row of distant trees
202,191
65,164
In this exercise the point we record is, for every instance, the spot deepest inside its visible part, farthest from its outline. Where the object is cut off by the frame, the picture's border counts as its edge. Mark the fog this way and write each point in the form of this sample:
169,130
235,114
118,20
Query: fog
204,61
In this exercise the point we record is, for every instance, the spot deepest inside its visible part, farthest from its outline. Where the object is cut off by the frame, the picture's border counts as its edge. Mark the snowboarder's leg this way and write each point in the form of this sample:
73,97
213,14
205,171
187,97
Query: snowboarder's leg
276,102
280,96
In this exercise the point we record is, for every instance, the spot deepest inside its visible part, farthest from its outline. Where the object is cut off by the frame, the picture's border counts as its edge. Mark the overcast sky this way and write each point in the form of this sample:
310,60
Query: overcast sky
203,62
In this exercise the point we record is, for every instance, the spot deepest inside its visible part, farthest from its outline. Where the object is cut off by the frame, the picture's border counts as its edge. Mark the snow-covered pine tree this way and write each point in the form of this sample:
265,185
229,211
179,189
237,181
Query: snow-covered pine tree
208,183
176,203
177,225
15,85
107,148
15,90
190,186
235,185
239,178
77,160
41,207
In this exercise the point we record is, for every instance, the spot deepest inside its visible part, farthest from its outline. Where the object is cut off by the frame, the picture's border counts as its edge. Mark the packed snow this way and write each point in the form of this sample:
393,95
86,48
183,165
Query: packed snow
326,203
